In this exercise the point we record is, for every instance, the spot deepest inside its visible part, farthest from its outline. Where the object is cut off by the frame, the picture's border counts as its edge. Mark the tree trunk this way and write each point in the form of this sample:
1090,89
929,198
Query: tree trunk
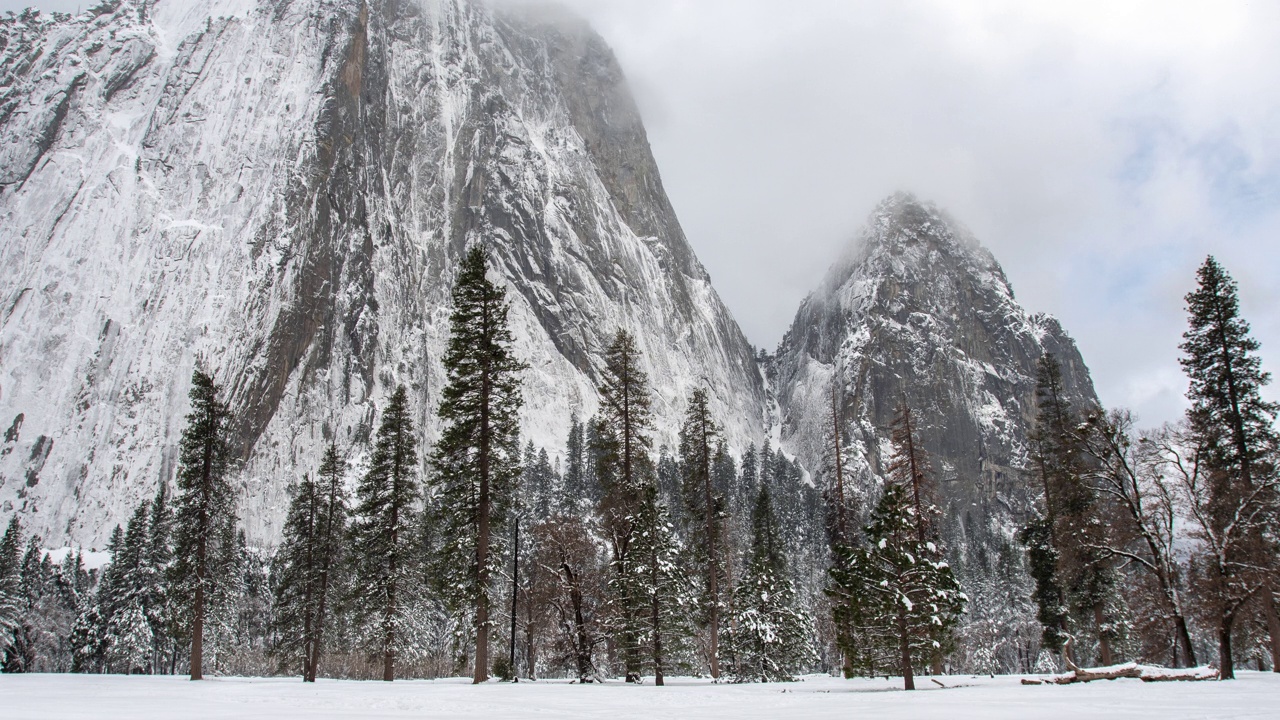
197,635
1273,625
712,560
1226,664
388,621
583,640
904,644
1104,644
1184,639
657,646
319,630
483,511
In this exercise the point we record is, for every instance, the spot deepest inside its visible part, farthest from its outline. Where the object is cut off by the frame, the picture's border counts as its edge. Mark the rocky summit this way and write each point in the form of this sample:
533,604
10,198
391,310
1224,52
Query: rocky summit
919,313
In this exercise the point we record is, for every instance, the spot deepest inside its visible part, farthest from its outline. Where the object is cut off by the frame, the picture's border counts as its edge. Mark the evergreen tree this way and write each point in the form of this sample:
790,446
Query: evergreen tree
770,638
382,534
10,567
128,634
662,593
897,594
1233,430
1042,564
201,575
577,485
621,450
477,460
705,507
1083,576
309,555
160,606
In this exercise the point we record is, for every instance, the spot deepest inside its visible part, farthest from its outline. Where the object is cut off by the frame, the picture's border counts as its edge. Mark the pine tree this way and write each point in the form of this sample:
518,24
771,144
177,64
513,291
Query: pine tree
770,638
1042,564
160,606
1233,430
129,640
201,577
897,594
477,460
10,567
705,506
382,533
909,467
577,485
309,555
1072,517
659,587
621,449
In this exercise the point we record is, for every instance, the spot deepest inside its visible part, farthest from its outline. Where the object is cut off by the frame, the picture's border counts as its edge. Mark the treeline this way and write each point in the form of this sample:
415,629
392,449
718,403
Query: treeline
481,556
621,561
1162,545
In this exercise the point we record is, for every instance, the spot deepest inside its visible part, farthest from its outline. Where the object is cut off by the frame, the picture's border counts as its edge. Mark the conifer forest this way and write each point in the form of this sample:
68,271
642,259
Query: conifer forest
479,556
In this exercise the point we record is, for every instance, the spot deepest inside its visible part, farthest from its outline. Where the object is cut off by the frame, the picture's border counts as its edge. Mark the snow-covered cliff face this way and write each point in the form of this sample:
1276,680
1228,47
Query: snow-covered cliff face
919,312
281,189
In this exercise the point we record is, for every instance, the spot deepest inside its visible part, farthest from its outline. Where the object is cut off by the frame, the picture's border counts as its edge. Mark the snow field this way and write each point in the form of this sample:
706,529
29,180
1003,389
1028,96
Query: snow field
54,697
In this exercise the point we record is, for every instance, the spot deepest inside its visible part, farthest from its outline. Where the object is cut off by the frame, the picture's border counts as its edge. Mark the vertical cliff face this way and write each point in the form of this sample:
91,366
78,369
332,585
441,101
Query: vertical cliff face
919,313
281,191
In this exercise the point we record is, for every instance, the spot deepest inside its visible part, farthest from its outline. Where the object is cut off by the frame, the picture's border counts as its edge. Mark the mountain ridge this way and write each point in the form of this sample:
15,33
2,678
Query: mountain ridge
280,191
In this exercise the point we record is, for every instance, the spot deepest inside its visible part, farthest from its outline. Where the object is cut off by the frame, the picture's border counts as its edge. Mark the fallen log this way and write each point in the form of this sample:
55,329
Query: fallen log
1113,672
1145,673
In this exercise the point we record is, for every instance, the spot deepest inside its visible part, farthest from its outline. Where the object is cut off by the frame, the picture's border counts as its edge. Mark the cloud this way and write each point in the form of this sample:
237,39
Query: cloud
1101,150
67,6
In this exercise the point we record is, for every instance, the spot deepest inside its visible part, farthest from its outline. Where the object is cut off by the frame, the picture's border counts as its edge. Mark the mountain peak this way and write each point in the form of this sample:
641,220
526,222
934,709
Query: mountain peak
919,312
906,236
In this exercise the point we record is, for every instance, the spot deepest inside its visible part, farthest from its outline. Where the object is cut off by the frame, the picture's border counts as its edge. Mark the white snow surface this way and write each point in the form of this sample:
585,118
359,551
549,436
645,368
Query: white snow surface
53,697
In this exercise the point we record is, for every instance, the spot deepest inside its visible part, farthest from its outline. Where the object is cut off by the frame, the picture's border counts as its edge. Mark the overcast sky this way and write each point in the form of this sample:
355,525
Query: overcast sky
1100,149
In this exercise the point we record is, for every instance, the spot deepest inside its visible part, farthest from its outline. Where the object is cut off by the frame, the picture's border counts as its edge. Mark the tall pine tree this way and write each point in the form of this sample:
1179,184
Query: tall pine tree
10,564
309,556
577,486
623,464
1083,577
383,534
201,577
661,590
1233,429
705,507
477,461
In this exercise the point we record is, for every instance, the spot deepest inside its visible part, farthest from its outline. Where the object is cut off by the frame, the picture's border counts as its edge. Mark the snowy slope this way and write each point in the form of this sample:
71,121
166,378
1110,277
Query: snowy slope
281,190
919,312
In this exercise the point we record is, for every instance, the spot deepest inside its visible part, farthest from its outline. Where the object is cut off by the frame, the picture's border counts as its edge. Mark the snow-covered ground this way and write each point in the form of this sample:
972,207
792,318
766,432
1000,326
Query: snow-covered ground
47,697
